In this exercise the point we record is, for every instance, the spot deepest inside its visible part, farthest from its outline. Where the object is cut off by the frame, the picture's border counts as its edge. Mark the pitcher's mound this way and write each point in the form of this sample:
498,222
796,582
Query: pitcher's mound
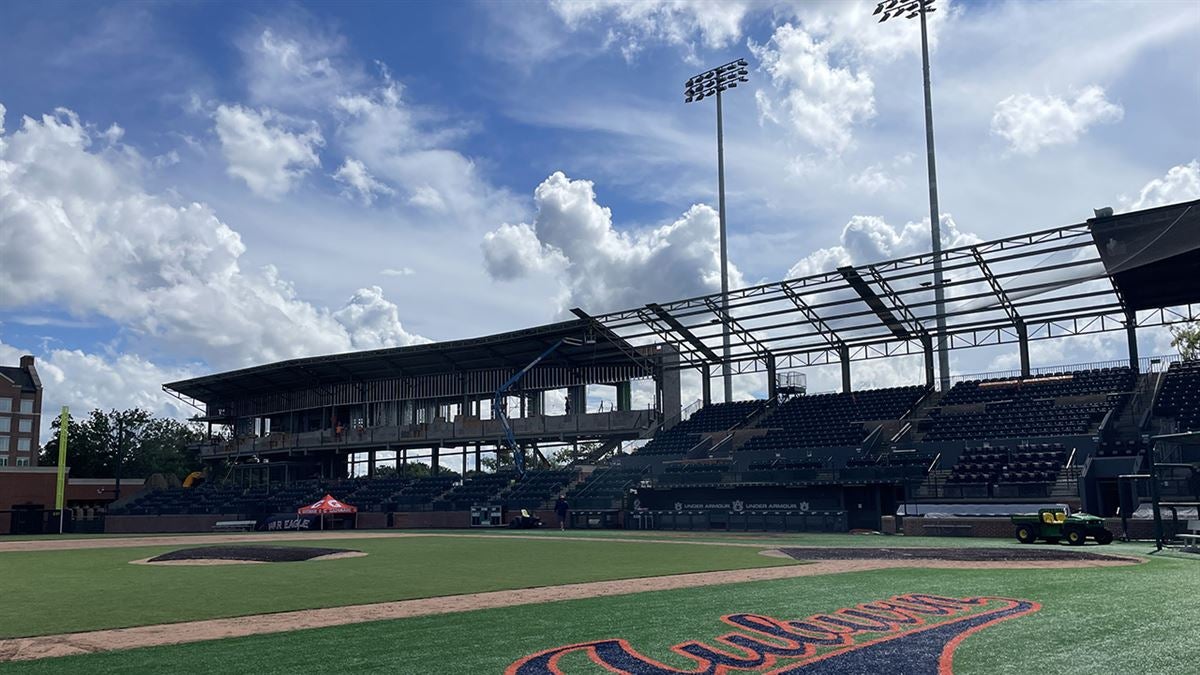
232,555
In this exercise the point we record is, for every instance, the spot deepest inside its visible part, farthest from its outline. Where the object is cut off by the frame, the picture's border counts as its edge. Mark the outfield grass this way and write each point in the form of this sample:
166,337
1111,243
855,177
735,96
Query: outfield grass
1094,620
47,592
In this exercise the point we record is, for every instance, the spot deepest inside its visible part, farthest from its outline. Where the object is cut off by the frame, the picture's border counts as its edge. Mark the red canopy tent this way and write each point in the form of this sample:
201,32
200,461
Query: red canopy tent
328,505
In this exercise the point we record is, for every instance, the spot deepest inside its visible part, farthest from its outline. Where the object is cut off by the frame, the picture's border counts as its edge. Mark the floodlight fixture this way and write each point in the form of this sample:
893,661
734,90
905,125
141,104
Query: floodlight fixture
908,9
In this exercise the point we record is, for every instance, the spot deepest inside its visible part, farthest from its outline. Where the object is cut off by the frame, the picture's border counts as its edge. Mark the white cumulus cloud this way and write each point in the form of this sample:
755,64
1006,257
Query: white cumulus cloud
372,321
79,231
1180,184
600,267
261,152
816,100
1029,123
359,182
869,239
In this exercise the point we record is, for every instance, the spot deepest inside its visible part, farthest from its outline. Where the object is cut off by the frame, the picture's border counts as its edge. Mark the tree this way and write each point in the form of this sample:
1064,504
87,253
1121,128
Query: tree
1186,338
496,464
141,443
415,470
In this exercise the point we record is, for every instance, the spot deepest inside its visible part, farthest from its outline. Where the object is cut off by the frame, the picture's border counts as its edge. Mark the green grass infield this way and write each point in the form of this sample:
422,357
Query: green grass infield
48,592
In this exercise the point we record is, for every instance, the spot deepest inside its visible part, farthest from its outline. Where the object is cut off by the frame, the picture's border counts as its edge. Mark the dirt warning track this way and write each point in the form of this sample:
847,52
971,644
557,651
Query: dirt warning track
47,646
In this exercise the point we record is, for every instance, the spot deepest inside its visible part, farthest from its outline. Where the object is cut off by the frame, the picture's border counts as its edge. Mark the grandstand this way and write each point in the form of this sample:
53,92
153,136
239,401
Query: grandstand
284,434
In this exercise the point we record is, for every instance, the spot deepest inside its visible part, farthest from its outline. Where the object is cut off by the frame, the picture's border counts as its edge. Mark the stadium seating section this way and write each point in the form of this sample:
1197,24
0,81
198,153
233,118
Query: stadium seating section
1025,463
603,489
1180,395
538,487
1056,385
479,488
444,492
1059,404
712,418
697,473
1016,419
832,420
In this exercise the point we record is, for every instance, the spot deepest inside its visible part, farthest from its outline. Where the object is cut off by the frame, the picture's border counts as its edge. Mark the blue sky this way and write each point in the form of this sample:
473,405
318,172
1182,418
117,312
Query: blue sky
187,187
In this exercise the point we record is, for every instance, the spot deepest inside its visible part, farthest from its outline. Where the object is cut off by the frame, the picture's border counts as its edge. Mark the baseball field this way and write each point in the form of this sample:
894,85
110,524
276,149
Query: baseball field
577,602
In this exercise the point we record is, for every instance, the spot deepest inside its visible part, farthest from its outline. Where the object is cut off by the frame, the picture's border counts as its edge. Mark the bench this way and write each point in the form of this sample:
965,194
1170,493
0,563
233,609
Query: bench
1191,541
947,529
234,526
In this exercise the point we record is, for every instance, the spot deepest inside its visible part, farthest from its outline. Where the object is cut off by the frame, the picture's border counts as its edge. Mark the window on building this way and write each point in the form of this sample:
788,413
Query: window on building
5,425
25,426
22,445
26,405
3,443
5,405
3,461
22,461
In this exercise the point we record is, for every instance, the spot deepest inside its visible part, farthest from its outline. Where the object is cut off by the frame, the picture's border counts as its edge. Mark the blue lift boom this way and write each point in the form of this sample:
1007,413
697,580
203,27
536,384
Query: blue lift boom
500,412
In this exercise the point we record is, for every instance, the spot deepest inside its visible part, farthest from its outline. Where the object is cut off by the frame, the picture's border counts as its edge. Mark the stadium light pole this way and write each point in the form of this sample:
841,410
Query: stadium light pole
710,84
908,9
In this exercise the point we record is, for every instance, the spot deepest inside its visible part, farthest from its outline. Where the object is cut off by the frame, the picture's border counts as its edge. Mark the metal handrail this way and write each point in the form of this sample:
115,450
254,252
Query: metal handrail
683,414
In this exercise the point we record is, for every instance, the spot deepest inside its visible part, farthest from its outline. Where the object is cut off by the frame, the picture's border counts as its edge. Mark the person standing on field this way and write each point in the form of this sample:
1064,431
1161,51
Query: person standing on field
561,508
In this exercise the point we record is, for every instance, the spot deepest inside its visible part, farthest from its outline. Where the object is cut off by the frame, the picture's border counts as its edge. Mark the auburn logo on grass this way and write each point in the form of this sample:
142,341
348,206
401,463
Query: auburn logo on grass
912,634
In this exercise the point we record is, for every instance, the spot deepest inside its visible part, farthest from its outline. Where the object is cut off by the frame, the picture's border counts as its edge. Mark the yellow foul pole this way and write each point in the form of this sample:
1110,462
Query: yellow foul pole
60,493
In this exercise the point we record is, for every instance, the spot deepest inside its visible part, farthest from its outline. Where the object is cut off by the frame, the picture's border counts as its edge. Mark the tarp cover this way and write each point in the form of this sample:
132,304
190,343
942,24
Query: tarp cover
969,510
326,505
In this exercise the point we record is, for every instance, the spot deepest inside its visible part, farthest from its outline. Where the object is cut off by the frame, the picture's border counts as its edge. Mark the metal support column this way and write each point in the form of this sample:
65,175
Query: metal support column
1131,335
844,356
435,460
624,395
1023,343
772,385
927,344
705,384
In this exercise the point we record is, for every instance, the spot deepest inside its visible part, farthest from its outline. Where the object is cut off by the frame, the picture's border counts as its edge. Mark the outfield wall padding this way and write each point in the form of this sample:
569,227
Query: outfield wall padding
165,523
404,520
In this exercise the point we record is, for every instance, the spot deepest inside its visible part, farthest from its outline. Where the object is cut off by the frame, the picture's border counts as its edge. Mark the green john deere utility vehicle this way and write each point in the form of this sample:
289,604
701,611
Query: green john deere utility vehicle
1054,525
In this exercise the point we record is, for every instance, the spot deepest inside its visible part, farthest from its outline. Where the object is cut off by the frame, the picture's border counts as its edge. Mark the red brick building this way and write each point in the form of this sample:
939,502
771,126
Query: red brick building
20,414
